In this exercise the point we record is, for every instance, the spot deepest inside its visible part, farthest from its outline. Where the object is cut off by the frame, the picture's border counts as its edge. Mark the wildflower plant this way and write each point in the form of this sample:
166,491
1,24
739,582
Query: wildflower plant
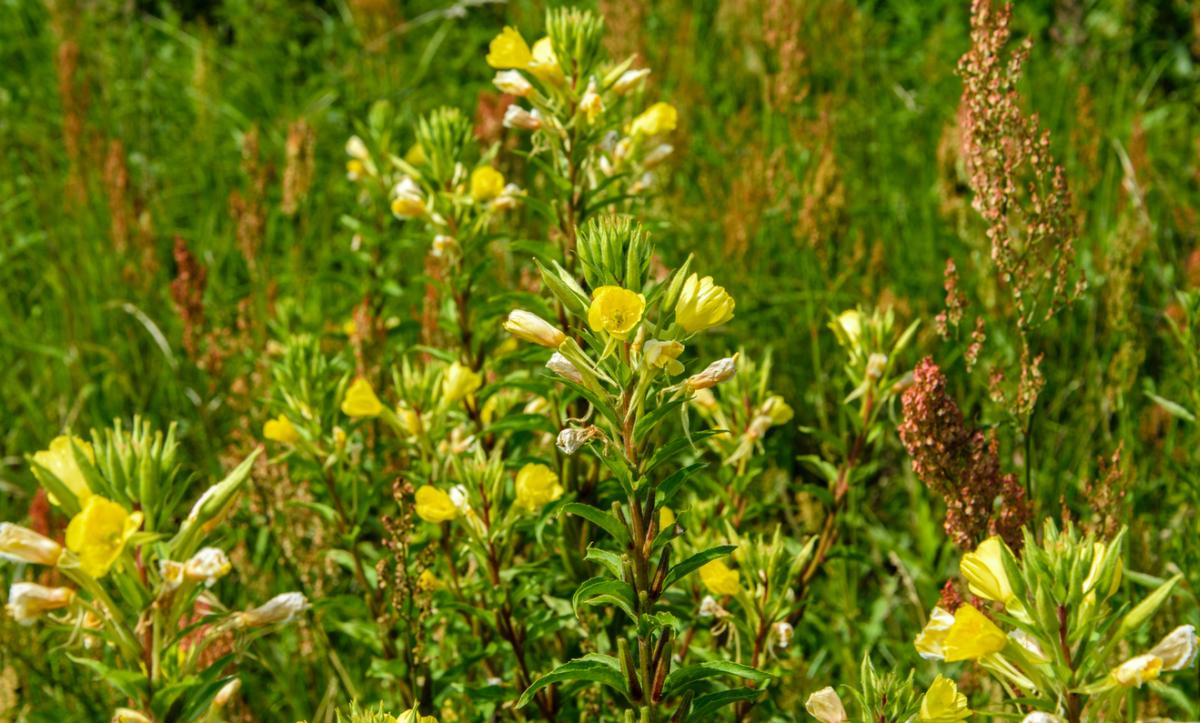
131,591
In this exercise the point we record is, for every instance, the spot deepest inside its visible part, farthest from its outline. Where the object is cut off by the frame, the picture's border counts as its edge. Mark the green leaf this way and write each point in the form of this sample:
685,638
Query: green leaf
1146,608
683,678
127,682
610,560
674,447
595,668
604,591
523,423
600,518
668,487
706,705
695,562
1173,408
648,422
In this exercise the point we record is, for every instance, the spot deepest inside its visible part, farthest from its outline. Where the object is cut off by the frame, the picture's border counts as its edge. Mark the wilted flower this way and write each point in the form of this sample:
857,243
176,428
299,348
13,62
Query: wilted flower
28,600
1177,649
629,79
782,633
1039,717
59,460
1030,644
486,183
517,117
360,400
226,693
657,155
876,364
533,328
99,532
279,609
826,706
702,304
513,83
972,636
930,641
207,566
570,440
1135,671
21,544
510,198
710,608
129,715
663,355
658,118
591,105
563,367
615,310
509,50
460,382
713,374
444,245
281,430
355,148
537,485
407,200
943,703
434,505
171,573
720,579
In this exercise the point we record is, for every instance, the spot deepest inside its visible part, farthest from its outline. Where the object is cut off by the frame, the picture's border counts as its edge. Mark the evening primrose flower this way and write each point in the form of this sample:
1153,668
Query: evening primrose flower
59,460
1178,649
850,324
509,50
171,573
410,420
544,63
208,565
282,608
412,716
943,703
360,400
434,505
99,532
460,382
720,579
629,79
407,199
666,518
657,119
21,544
663,355
512,83
27,600
591,104
984,572
415,155
537,486
930,641
427,581
486,183
530,327
281,430
1135,671
702,304
972,636
778,410
826,706
616,311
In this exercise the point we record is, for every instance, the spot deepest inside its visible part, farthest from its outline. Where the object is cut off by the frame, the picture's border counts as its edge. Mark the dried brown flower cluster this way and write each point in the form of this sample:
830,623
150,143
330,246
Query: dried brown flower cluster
960,464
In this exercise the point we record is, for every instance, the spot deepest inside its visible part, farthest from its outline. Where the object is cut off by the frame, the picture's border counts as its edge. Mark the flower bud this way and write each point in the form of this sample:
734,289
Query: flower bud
629,79
563,367
129,715
513,83
279,609
226,693
21,544
28,600
826,706
533,328
713,374
702,304
407,200
460,382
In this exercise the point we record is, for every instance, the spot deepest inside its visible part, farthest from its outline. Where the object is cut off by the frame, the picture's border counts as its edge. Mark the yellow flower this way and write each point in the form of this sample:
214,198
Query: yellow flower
702,304
666,518
415,155
427,581
658,118
412,716
21,544
778,410
410,420
591,104
719,579
460,382
1135,671
664,355
434,505
943,703
355,169
972,636
486,183
533,328
615,310
509,50
544,64
826,706
281,430
850,323
60,460
99,532
930,641
360,400
985,574
537,485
